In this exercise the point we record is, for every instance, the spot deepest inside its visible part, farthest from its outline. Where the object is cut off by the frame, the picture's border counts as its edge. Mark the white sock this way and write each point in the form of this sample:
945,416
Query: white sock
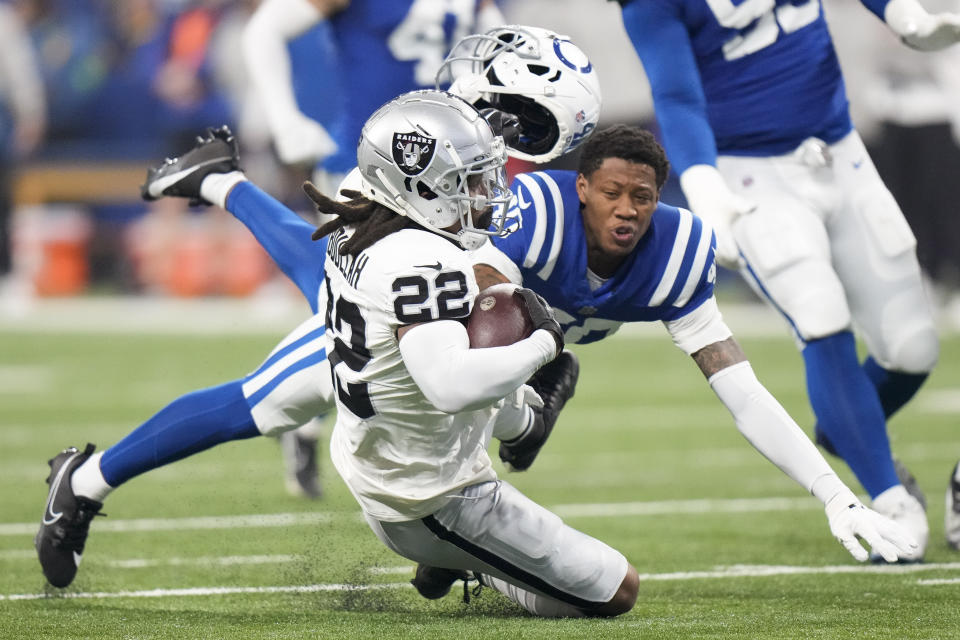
87,480
216,187
512,422
533,602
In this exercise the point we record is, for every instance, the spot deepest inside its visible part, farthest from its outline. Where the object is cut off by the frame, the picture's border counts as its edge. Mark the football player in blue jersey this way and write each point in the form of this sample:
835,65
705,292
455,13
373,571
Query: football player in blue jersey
754,116
382,48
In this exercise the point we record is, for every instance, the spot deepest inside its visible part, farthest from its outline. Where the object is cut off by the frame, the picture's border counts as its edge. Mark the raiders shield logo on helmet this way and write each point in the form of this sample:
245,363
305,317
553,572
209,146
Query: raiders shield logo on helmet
413,152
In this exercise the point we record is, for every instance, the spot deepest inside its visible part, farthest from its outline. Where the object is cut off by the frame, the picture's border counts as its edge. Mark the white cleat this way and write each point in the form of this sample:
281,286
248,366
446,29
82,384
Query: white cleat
904,509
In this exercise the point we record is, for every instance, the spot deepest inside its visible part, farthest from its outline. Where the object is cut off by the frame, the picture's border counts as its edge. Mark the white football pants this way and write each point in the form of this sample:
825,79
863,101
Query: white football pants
829,248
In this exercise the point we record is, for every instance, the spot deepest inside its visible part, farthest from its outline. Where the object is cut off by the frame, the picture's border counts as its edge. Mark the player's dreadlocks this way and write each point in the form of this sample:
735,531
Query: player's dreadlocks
627,143
373,220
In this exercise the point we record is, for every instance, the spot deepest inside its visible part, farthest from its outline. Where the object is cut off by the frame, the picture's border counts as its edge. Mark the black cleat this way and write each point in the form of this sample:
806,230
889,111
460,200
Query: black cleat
217,152
951,519
909,482
555,382
433,583
66,520
302,470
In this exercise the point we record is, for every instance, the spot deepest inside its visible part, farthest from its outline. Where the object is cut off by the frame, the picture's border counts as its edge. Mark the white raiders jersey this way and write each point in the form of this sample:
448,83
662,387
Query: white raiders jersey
400,456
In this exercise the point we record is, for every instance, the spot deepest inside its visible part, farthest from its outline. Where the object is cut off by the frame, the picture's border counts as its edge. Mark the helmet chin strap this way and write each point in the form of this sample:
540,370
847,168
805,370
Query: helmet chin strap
470,240
397,202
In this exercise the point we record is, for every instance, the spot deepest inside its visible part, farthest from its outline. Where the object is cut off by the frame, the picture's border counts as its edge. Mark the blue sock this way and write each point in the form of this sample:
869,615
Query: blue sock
895,388
189,424
848,410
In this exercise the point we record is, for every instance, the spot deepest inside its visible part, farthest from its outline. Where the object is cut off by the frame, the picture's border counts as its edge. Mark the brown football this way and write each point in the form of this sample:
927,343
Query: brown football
498,318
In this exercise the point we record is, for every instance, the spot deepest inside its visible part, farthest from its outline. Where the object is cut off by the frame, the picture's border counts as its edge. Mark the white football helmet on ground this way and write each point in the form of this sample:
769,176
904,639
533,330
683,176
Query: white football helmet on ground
535,74
431,156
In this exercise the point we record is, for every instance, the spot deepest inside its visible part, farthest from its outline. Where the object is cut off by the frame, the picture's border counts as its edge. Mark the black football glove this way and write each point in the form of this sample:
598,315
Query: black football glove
541,315
503,124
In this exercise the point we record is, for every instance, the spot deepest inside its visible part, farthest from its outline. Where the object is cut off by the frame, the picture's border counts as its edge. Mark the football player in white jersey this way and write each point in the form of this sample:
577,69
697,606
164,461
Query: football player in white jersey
293,384
382,48
416,406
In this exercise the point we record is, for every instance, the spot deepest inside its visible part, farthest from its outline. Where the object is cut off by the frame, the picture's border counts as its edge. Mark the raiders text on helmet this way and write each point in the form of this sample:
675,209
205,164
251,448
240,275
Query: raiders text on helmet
431,156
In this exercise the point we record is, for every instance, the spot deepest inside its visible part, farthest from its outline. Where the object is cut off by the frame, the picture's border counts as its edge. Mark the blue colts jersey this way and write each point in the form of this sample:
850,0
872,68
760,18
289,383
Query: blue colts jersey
764,73
385,48
670,273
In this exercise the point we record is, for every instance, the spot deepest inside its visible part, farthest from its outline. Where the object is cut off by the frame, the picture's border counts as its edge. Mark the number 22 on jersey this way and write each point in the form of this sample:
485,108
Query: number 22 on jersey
417,298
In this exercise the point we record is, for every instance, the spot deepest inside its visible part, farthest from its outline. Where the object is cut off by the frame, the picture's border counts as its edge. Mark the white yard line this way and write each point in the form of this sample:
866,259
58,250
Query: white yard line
25,378
763,570
735,571
184,524
224,561
207,591
612,509
681,507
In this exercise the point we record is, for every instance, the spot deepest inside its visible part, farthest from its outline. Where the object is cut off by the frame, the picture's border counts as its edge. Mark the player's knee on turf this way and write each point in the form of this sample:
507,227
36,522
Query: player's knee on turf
624,599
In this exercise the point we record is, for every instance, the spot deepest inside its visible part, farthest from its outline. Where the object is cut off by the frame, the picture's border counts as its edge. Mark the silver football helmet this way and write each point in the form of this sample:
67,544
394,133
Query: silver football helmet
535,74
431,156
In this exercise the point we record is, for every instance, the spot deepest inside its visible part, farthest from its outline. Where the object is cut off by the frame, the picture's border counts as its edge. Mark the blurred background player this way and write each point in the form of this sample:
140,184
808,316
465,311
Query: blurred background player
380,49
751,104
293,384
23,115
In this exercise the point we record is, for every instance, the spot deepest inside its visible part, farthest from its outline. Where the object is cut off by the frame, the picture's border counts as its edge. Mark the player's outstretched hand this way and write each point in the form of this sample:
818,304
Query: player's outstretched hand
541,315
181,177
940,32
850,520
920,29
712,200
301,140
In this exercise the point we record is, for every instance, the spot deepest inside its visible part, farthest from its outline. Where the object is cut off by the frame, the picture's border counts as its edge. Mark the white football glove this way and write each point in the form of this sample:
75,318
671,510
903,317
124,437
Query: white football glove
919,29
849,519
301,140
712,200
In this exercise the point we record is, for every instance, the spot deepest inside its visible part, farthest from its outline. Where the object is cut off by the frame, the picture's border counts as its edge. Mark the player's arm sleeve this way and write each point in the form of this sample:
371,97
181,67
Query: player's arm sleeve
455,378
283,234
272,26
701,327
660,39
19,70
771,431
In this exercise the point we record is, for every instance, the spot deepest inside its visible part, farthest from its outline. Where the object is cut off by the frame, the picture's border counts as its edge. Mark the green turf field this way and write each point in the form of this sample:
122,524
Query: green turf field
644,457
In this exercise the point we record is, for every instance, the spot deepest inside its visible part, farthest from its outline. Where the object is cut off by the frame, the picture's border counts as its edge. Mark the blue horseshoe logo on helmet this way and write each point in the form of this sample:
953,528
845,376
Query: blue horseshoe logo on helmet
565,61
